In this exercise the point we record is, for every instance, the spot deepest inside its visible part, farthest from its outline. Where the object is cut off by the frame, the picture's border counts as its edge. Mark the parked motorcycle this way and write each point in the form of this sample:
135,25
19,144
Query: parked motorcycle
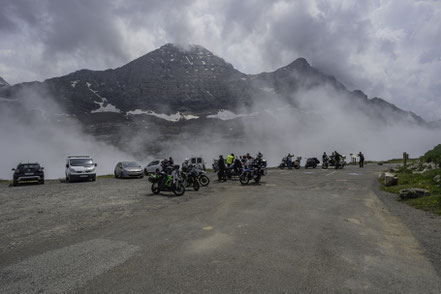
325,163
231,172
190,178
342,163
202,177
295,164
312,162
252,173
162,181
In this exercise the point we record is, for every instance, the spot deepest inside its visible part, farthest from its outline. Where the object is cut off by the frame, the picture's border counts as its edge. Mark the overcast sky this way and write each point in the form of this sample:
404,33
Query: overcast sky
390,49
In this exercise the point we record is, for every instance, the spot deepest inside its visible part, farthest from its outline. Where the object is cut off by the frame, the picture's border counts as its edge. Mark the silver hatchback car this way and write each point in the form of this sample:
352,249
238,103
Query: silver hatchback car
128,169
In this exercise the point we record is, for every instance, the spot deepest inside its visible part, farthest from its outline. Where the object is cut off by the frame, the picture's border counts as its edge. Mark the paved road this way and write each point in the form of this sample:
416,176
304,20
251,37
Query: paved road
313,231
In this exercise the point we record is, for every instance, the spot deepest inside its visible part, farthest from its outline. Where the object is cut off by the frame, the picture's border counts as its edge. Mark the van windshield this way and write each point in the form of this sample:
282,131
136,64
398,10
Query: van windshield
81,162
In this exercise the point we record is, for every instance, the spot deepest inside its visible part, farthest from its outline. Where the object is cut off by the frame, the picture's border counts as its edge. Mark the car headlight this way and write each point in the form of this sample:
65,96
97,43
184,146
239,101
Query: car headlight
72,170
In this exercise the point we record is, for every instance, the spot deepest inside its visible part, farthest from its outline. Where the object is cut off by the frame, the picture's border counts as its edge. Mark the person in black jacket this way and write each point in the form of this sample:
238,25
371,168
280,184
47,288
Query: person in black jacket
337,160
237,166
361,161
221,173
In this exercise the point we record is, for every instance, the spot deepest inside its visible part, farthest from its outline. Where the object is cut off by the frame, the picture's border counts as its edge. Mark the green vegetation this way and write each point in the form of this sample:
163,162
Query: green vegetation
433,155
400,160
5,181
407,179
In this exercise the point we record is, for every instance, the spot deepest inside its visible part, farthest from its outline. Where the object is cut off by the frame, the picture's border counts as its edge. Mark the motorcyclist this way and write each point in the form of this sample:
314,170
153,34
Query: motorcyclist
237,166
221,173
170,161
249,161
230,159
325,157
164,164
175,174
185,165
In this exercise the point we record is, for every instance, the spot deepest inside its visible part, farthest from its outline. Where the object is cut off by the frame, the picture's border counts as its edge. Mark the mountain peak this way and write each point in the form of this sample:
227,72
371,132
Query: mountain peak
3,83
300,63
190,48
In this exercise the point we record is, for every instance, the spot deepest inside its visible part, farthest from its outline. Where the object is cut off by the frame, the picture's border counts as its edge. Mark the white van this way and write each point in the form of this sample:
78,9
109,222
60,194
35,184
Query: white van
80,168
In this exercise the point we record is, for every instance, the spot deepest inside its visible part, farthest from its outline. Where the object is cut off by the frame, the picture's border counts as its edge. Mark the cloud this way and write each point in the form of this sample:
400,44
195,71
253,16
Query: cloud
386,48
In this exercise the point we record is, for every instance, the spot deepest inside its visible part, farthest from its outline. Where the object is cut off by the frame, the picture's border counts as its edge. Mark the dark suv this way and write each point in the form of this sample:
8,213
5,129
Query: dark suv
28,173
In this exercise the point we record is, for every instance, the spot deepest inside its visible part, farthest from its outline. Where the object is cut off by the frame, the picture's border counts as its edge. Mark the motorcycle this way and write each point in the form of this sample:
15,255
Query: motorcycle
295,163
232,172
312,162
250,173
325,164
202,177
190,178
162,181
341,163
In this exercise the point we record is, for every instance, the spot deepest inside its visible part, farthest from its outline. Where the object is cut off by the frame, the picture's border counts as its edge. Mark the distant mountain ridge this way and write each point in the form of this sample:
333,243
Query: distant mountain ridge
3,83
193,82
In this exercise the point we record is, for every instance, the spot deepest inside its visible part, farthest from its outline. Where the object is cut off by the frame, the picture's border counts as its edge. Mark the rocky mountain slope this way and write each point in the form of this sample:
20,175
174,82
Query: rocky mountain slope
194,82
176,94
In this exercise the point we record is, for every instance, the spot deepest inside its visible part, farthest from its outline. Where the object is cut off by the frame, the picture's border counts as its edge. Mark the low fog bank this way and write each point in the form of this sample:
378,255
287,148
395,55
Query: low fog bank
323,121
307,124
35,130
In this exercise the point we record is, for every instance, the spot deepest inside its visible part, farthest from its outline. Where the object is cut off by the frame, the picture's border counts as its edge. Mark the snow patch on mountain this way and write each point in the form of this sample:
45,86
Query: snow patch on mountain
228,115
74,83
105,106
169,117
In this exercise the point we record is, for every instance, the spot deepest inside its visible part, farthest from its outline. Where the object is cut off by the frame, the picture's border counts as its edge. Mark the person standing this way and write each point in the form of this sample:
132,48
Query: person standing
221,172
230,159
289,160
361,161
337,160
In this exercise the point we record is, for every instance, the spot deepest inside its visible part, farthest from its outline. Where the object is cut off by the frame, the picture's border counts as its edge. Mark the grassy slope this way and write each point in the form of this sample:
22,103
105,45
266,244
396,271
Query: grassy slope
425,181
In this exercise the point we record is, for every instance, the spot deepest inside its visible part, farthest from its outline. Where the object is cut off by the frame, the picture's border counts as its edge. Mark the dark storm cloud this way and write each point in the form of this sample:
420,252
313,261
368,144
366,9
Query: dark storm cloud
386,48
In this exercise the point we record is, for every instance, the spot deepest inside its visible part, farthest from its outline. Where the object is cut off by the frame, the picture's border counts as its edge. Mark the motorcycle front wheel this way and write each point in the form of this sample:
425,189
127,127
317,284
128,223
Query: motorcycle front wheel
244,180
297,166
282,166
204,180
179,189
155,188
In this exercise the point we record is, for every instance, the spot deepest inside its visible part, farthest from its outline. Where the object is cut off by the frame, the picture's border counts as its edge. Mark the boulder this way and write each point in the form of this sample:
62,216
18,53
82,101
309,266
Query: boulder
381,176
413,193
390,179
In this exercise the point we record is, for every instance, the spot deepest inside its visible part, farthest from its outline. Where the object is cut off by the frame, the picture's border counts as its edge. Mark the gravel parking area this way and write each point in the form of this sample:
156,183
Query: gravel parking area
32,214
